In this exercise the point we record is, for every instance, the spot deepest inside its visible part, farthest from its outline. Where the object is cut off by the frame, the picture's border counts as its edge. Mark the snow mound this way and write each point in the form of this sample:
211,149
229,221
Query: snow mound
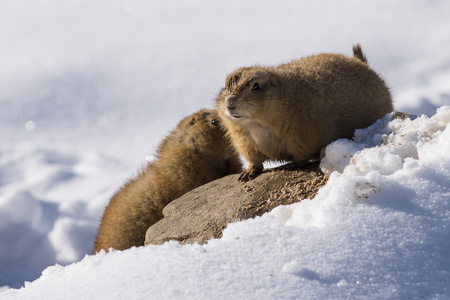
392,144
378,230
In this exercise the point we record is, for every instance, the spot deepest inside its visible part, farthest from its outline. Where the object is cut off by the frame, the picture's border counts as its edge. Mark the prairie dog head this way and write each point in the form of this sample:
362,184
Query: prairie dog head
202,131
248,94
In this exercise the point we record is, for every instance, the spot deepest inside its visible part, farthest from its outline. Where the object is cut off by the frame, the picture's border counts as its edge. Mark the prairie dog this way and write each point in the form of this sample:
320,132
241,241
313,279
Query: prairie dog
290,112
195,153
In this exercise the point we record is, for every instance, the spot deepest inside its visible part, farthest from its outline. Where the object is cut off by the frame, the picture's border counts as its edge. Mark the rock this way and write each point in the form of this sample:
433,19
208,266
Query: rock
204,212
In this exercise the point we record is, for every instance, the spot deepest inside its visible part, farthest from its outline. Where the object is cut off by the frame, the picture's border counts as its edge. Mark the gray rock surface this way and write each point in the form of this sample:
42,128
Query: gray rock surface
204,212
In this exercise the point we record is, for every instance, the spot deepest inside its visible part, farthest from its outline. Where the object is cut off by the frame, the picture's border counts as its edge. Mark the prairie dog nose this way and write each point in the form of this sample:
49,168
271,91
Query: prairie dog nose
231,102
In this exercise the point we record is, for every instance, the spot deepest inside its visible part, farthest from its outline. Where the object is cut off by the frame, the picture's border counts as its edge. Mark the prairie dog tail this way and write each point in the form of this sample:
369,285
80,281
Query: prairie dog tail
357,53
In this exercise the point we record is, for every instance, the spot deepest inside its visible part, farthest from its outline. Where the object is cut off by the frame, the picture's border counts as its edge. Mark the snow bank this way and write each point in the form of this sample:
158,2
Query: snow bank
378,229
37,229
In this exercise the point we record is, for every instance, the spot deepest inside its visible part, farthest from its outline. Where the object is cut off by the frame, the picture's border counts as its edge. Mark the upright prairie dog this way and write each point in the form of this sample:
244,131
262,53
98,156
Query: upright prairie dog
195,153
290,112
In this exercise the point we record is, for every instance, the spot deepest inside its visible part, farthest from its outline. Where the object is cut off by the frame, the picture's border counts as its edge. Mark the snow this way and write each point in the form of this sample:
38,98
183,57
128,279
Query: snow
88,89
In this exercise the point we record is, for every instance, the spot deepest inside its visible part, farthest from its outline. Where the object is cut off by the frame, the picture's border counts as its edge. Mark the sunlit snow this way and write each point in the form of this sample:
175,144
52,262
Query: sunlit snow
89,88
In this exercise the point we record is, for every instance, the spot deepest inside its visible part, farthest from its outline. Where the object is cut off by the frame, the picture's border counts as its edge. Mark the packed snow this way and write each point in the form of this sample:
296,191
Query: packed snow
378,229
89,88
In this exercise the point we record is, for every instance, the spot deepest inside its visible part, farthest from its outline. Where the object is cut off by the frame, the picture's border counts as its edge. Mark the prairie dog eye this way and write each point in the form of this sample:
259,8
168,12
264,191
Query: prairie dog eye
215,122
255,86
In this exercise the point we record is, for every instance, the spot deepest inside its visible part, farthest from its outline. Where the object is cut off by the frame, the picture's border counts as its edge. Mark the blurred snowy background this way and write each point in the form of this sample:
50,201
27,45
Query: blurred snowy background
89,88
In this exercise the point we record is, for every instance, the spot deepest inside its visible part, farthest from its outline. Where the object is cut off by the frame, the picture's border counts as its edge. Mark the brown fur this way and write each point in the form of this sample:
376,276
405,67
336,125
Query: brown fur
195,153
291,112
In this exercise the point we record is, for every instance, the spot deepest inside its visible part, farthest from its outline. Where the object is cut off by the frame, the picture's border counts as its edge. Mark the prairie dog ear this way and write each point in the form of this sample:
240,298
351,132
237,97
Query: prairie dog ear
193,121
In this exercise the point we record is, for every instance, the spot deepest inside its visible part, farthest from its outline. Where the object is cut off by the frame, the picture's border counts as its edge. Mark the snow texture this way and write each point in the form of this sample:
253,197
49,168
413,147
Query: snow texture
89,88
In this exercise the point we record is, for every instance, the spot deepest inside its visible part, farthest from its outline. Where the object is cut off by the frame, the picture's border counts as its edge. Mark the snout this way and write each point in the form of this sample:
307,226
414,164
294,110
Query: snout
231,102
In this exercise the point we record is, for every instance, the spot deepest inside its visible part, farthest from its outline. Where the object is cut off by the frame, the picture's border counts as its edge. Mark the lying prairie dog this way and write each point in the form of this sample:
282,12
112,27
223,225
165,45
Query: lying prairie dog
290,112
